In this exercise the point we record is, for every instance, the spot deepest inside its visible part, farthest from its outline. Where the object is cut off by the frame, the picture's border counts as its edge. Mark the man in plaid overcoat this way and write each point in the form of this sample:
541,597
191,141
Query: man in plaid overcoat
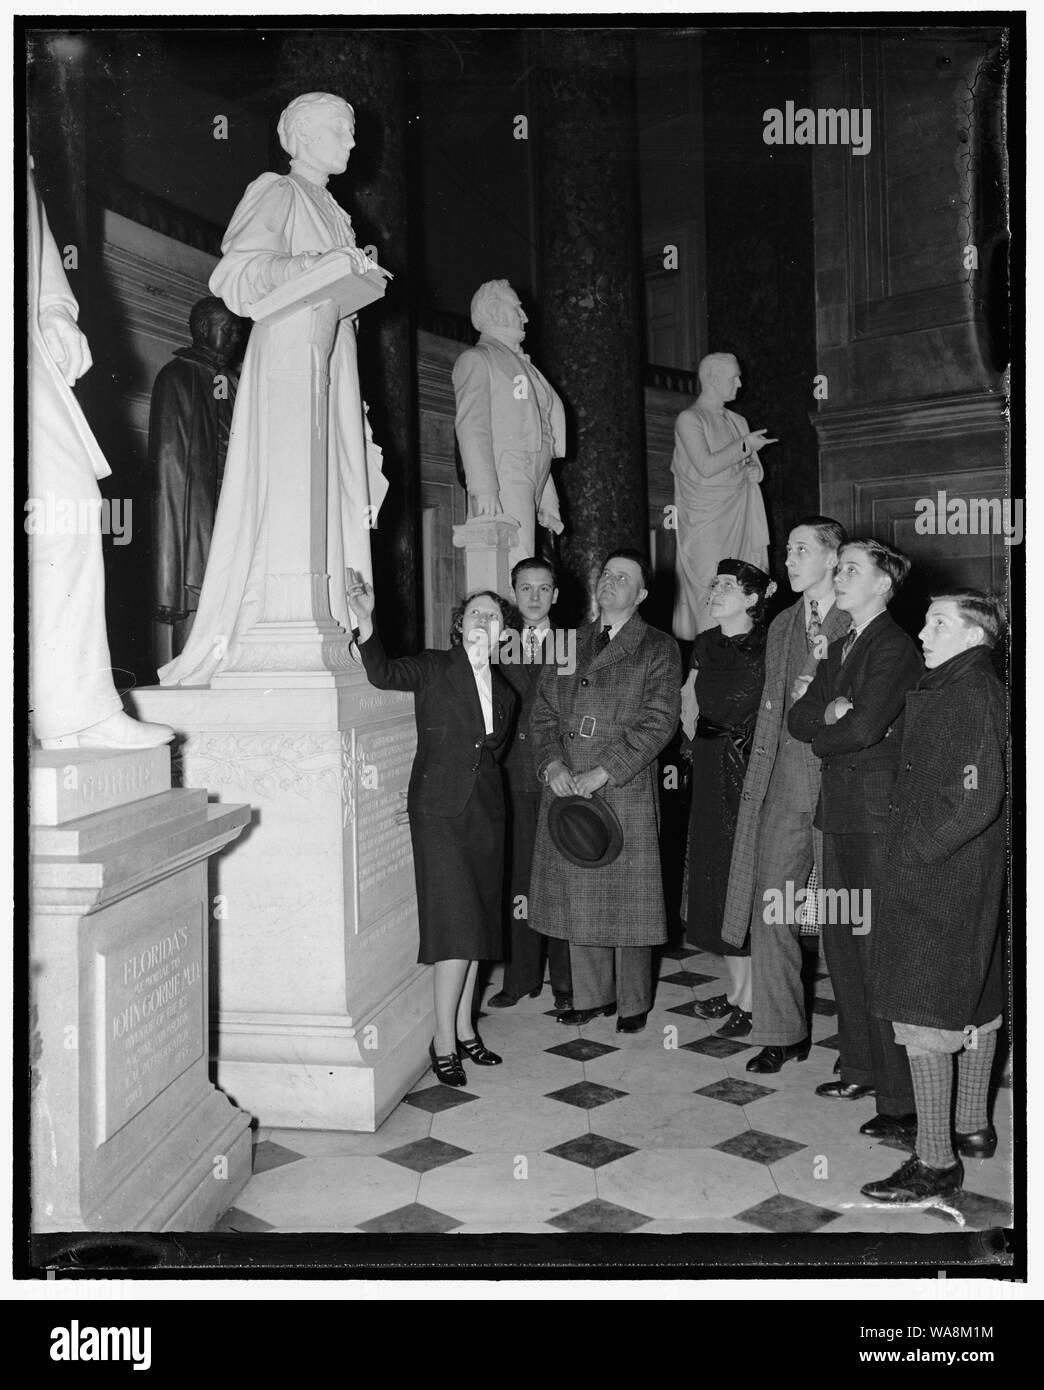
600,729
775,842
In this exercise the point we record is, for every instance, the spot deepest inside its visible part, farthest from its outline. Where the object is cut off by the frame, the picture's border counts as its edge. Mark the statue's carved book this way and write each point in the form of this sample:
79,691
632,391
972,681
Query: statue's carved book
334,281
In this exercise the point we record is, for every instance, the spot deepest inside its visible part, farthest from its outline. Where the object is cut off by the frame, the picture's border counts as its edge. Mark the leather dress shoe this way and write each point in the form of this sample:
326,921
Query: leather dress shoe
891,1127
503,1000
717,1006
916,1182
737,1025
575,1016
844,1090
479,1053
981,1143
772,1058
633,1023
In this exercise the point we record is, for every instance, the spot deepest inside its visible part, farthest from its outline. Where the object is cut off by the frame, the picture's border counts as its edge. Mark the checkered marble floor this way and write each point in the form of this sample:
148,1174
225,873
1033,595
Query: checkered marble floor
590,1130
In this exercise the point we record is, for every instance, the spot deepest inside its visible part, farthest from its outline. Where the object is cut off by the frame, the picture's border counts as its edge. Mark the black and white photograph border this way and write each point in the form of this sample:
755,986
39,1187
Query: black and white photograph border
228,1025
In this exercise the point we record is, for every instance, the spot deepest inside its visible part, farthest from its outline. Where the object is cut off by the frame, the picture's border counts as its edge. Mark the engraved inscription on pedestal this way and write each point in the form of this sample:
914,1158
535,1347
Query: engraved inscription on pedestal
384,855
150,1013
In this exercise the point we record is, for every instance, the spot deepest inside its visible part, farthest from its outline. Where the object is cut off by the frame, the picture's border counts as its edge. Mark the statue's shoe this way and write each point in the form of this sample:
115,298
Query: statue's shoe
119,730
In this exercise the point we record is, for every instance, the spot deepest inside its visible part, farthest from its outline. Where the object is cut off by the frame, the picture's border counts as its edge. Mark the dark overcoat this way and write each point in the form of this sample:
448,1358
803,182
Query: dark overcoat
618,710
937,941
739,901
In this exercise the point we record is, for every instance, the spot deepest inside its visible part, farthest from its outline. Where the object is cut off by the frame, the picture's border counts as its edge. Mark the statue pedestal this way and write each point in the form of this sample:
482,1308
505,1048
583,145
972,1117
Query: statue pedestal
128,1134
323,1016
486,542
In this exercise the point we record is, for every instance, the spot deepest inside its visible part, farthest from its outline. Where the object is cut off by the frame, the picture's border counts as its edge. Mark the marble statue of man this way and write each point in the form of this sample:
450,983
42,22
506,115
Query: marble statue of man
189,423
720,510
74,700
286,224
510,421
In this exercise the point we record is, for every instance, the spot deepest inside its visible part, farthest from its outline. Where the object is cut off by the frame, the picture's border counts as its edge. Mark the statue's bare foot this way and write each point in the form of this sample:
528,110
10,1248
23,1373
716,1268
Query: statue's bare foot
119,730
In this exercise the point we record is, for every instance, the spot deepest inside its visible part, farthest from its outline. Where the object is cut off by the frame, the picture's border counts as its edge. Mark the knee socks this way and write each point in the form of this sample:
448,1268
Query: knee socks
974,1065
932,1074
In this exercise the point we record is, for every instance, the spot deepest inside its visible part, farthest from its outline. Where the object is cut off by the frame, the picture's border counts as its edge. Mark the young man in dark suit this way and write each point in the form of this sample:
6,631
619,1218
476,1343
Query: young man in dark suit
535,589
852,717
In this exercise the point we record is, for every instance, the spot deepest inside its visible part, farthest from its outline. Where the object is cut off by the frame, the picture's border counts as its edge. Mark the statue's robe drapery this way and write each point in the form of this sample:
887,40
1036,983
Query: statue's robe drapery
71,677
280,217
720,516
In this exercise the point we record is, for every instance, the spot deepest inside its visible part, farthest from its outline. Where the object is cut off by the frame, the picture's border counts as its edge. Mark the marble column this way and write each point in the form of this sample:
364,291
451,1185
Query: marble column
591,317
367,69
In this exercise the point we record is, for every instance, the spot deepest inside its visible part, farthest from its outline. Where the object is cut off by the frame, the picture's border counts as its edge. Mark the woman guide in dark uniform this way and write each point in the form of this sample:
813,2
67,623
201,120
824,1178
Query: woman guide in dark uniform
464,710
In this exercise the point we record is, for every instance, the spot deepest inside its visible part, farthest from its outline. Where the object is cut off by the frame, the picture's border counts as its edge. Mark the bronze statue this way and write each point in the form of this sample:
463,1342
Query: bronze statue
189,424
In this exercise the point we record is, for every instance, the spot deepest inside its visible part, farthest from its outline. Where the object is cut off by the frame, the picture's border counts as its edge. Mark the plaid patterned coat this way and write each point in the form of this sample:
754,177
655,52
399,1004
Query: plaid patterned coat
631,692
781,635
937,944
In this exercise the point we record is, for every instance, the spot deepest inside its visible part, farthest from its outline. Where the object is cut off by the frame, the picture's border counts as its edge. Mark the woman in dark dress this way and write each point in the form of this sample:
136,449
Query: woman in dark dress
719,708
464,711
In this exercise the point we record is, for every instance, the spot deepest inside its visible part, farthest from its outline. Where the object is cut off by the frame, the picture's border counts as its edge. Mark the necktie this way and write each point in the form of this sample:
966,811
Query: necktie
531,644
815,627
603,637
846,645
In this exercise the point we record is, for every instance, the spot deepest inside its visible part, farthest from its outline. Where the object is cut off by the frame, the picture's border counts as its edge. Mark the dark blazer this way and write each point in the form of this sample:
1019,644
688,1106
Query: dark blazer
860,753
937,943
450,730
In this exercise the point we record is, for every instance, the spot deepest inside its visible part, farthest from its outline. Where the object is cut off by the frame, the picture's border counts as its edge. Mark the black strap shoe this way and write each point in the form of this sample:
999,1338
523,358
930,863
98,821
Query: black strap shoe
479,1053
448,1068
916,1182
717,1006
772,1058
738,1024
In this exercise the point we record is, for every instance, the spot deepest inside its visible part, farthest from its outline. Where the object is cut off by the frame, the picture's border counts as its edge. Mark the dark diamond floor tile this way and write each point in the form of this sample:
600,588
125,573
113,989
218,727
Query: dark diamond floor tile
782,1213
268,1155
414,1218
599,1215
439,1097
734,1091
687,977
715,1046
239,1222
834,1042
980,1212
588,1095
759,1147
826,1007
680,953
551,1013
592,1150
422,1155
581,1049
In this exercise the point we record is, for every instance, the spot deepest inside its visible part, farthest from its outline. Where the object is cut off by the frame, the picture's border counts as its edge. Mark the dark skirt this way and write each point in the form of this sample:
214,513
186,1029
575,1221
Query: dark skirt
712,824
459,866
